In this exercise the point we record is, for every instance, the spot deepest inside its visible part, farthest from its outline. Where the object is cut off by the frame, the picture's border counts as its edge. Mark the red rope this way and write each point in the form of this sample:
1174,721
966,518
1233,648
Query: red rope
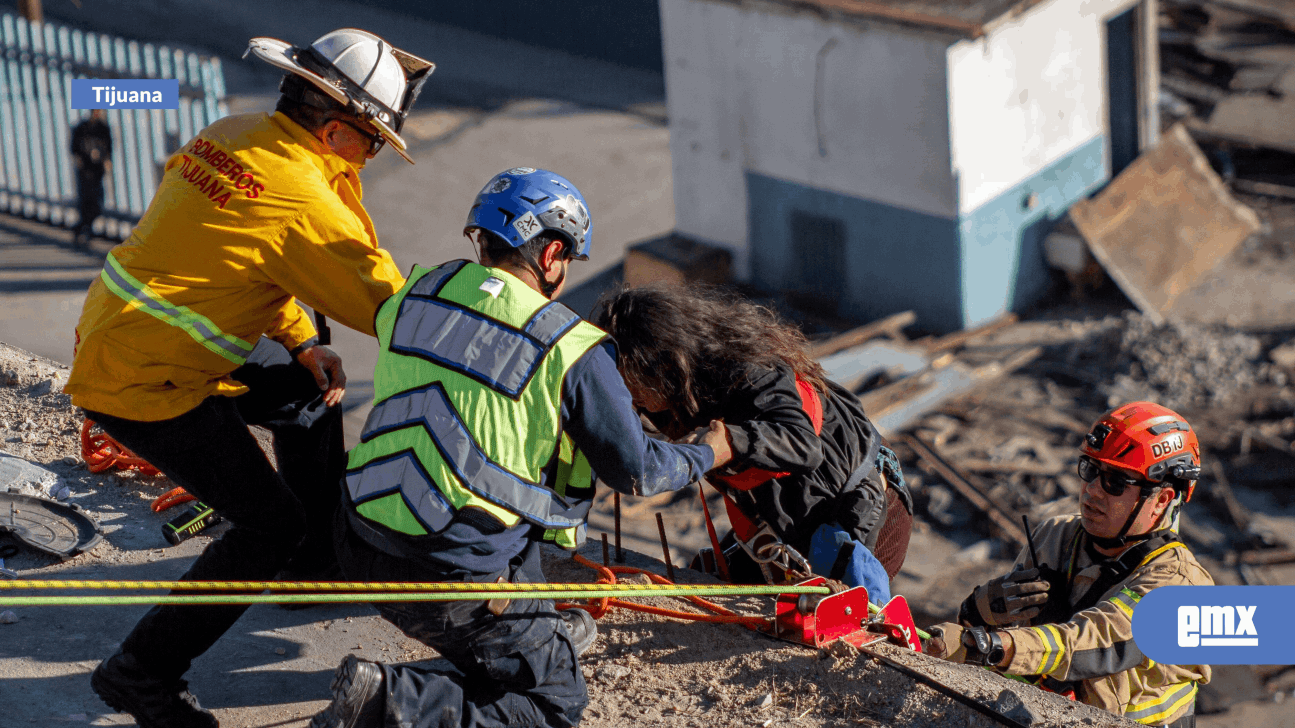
607,575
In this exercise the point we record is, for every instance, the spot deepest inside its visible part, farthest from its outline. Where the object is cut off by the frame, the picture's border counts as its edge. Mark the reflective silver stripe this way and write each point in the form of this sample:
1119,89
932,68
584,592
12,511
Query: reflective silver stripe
1158,709
431,409
551,322
467,342
402,472
199,327
1126,600
430,283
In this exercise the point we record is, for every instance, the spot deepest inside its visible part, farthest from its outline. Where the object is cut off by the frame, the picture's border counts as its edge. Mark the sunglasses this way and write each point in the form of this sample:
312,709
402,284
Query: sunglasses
1113,483
376,140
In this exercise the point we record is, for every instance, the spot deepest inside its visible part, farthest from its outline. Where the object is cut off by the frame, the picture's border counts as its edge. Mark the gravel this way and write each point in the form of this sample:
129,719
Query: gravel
1180,365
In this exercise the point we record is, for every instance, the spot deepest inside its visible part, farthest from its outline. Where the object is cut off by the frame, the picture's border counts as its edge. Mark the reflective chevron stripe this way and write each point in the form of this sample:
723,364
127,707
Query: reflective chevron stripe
1157,710
430,409
199,327
401,473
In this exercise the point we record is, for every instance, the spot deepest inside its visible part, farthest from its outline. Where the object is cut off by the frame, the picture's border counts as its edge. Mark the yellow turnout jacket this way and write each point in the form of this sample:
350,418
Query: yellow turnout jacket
250,214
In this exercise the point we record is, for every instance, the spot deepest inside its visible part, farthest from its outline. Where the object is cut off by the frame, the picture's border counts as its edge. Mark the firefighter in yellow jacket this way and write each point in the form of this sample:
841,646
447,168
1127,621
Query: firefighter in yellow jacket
254,213
1066,621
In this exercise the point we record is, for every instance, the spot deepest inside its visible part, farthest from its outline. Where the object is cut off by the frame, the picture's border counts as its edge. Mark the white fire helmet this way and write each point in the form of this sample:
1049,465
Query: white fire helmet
374,80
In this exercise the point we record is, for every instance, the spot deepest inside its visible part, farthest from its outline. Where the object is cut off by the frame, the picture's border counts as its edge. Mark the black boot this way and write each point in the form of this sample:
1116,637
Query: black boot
358,696
123,684
581,628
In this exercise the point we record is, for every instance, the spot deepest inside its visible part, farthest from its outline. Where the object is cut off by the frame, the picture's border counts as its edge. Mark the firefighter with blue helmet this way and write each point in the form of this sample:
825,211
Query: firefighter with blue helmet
495,410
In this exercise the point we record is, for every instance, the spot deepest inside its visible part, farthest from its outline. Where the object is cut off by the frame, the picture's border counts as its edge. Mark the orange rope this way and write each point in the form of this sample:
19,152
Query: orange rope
173,497
607,575
101,452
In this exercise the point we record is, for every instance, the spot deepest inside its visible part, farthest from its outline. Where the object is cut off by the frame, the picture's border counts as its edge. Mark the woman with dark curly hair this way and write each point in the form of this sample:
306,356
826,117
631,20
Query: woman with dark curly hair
808,470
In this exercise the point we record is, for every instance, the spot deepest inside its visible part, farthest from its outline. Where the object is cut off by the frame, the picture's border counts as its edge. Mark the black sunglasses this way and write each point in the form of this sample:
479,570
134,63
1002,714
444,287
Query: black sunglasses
376,140
1113,483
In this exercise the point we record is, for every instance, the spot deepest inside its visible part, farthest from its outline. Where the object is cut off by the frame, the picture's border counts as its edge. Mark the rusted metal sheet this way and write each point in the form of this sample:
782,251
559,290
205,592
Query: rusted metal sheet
966,18
1163,223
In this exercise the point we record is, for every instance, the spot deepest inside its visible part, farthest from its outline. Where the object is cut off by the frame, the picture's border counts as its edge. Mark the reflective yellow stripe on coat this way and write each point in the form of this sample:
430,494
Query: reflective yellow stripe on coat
202,329
1156,710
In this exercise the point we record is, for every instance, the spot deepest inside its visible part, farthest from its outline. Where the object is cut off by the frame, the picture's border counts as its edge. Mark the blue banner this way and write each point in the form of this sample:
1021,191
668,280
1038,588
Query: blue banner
1216,625
125,93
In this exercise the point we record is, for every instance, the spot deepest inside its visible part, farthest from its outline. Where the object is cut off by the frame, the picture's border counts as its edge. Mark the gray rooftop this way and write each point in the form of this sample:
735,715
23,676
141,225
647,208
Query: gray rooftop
963,17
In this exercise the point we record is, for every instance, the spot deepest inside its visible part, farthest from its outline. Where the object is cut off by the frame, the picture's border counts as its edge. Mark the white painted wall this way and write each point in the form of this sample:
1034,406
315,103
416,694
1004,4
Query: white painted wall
702,99
1026,94
741,83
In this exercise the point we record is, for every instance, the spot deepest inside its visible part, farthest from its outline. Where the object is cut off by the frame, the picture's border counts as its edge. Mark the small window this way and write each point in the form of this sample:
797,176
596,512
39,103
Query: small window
818,269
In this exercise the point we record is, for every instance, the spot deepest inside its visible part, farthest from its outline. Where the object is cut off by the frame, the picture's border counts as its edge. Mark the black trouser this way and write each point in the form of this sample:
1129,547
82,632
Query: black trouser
209,451
516,669
89,190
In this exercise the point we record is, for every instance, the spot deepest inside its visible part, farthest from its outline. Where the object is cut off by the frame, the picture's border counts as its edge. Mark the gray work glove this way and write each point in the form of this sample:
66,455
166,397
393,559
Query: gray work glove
1017,597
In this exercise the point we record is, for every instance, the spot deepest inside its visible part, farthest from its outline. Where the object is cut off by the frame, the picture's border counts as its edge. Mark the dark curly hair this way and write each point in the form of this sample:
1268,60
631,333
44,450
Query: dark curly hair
692,344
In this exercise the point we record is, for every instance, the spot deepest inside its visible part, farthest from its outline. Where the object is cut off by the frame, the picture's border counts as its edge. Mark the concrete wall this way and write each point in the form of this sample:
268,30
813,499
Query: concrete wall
1029,137
1027,94
855,110
936,165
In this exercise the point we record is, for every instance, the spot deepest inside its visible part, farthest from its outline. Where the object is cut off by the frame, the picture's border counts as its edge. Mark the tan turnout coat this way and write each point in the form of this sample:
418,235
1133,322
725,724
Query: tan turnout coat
1095,647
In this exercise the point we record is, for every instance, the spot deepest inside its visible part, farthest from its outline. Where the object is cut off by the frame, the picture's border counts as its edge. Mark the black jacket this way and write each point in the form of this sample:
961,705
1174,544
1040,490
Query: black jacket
92,144
771,431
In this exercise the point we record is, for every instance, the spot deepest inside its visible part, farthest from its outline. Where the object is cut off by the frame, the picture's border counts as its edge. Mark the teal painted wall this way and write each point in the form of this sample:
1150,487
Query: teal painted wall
895,259
952,273
1002,240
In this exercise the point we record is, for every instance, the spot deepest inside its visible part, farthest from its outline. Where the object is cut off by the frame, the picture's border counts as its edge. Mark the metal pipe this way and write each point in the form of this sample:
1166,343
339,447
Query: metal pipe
665,547
616,506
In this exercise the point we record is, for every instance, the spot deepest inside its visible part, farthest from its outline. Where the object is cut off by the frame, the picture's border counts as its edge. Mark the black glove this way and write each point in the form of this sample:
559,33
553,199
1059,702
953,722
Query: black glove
1017,597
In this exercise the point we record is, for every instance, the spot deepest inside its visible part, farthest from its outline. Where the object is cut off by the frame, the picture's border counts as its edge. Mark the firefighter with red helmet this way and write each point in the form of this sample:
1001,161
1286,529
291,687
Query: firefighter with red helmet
1066,621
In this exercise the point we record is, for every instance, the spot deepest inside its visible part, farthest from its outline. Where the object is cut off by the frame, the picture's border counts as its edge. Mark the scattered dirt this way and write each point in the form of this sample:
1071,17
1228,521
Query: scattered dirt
653,671
645,669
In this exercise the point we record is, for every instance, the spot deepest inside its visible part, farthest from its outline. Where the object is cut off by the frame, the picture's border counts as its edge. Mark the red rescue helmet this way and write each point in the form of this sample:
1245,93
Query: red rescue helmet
1149,439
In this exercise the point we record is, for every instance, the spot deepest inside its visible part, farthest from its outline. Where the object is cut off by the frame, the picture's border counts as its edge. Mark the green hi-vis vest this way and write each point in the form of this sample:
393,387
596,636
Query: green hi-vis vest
467,411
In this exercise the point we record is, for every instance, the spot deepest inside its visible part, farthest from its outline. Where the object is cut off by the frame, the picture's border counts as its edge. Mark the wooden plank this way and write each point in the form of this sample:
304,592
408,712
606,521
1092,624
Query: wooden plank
1266,557
890,324
1259,118
856,365
1005,521
897,406
1190,88
1280,11
1236,512
958,338
1163,223
1267,189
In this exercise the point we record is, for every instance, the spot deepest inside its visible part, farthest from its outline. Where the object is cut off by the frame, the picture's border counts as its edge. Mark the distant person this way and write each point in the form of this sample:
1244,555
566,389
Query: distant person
92,158
495,408
256,212
1066,623
809,476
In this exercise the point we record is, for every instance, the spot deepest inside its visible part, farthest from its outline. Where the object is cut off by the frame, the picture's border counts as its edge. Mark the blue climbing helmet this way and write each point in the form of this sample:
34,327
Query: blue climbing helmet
520,203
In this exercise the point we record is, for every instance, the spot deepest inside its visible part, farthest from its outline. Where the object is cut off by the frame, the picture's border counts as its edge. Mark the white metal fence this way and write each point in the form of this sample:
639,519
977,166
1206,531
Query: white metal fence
37,64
